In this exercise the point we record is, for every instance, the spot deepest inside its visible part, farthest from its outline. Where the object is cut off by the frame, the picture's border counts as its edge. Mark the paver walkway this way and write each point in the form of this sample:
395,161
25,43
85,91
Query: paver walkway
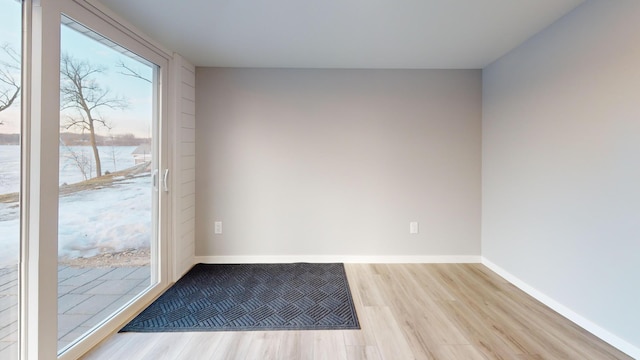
86,296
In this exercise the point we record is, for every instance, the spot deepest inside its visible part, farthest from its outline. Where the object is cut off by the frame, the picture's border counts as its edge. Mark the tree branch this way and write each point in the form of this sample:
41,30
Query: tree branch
9,85
79,90
127,71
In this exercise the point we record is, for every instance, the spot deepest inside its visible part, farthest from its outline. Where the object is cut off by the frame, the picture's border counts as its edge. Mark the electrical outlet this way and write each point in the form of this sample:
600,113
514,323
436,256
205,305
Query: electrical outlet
413,227
217,227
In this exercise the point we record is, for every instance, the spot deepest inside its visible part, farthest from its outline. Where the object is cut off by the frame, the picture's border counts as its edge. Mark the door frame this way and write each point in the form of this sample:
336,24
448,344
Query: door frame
41,119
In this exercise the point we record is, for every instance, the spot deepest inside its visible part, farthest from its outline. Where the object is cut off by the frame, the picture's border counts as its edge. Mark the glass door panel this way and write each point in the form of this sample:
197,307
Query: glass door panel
10,126
107,237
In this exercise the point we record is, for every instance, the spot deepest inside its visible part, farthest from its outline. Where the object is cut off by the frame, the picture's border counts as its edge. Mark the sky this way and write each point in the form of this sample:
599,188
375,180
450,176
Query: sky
136,119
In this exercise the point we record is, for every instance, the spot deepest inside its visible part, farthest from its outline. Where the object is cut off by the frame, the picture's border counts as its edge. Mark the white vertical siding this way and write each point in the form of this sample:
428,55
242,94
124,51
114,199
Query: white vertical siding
184,216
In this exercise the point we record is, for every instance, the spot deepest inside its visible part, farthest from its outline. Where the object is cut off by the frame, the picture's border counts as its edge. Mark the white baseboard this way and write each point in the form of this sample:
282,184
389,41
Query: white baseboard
578,319
356,259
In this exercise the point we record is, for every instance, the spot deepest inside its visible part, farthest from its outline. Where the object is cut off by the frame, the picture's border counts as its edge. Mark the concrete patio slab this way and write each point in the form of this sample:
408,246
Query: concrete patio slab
86,296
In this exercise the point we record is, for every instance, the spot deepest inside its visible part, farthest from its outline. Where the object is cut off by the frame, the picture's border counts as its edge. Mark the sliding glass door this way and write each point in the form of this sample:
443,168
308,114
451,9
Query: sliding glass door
110,183
105,136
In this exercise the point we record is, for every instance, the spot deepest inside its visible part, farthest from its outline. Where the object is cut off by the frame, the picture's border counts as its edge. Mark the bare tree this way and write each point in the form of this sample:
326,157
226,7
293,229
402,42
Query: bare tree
80,91
80,160
129,71
113,153
9,81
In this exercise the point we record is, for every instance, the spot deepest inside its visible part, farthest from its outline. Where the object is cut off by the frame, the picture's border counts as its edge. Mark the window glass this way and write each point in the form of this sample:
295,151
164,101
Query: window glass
107,159
10,126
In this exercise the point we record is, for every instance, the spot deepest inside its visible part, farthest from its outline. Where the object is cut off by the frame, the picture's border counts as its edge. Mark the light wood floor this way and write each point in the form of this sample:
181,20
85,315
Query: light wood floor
434,311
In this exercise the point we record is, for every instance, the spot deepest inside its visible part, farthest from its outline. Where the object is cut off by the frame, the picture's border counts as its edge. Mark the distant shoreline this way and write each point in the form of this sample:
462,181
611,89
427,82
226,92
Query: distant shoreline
73,139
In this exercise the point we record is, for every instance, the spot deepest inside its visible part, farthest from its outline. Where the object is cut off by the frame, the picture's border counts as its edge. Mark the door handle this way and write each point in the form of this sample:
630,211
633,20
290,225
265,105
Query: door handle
165,180
154,179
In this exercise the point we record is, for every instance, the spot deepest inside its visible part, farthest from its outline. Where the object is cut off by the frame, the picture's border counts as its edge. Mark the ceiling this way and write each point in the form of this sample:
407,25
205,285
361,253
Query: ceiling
367,34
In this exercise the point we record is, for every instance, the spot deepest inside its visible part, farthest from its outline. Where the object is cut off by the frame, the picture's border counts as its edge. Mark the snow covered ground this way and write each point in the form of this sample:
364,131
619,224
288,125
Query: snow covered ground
108,219
9,232
9,169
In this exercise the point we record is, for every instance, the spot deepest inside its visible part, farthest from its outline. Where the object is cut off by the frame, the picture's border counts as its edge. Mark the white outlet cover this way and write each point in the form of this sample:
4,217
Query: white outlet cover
217,227
413,227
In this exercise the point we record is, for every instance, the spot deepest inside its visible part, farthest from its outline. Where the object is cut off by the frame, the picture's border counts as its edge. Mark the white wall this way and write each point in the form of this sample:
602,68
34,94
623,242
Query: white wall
185,152
561,166
337,162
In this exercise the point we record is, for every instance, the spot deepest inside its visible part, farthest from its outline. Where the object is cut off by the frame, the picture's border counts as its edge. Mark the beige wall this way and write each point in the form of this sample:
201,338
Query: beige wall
561,166
337,162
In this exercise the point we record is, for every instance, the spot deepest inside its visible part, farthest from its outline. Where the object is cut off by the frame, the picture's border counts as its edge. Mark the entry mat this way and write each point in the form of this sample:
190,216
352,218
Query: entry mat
249,297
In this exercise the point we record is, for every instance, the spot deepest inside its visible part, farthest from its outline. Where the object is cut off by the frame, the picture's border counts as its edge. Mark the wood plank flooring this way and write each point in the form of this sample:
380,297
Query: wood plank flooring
406,311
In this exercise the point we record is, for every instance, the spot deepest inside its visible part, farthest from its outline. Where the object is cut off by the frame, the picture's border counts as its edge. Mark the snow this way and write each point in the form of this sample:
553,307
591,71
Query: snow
69,173
9,233
108,219
9,168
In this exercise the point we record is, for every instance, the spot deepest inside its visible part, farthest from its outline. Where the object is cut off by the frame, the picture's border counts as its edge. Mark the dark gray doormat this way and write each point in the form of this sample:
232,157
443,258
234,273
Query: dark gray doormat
249,297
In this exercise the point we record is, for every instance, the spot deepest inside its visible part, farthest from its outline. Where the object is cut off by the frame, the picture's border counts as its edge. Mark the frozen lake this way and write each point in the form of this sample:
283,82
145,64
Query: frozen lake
113,158
107,219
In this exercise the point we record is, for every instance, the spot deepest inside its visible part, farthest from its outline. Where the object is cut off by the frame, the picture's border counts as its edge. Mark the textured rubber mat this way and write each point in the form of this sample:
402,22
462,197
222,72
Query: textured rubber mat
245,297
